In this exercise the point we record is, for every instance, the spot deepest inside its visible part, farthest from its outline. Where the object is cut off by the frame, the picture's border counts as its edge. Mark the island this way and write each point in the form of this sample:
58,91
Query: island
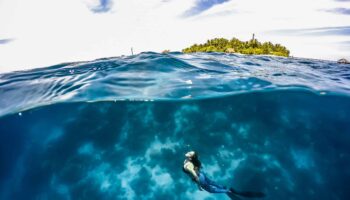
252,47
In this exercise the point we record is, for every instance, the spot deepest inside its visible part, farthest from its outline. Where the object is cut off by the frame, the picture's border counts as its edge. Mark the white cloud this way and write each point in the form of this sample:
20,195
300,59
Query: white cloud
51,32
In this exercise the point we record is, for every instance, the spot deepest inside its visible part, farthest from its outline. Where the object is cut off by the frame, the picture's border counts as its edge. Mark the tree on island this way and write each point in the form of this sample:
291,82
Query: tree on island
234,45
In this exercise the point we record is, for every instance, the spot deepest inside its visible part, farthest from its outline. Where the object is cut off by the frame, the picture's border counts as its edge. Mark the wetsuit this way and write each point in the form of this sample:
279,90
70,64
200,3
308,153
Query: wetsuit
203,181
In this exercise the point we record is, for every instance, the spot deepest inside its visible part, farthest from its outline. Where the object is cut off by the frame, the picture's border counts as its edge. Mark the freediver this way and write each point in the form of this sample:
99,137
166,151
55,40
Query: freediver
192,166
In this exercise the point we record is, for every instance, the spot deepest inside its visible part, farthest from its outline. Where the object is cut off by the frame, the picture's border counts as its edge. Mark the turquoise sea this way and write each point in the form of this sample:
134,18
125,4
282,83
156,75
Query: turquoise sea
118,128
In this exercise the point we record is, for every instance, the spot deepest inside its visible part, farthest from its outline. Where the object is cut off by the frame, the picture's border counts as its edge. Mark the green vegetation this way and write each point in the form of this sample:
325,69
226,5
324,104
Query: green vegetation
234,45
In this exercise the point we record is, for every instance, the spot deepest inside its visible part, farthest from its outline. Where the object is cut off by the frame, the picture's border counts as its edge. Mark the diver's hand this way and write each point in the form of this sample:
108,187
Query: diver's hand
196,179
199,187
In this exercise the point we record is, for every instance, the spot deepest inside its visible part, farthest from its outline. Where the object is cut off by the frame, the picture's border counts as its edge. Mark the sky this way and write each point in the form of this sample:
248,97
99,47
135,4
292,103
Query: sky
39,33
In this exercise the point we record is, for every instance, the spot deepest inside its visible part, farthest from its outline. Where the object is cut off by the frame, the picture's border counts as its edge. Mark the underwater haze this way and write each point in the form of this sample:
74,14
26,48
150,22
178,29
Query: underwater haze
118,128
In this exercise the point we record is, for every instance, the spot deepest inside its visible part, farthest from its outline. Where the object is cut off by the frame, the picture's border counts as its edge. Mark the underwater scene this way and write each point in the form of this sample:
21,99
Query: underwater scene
119,128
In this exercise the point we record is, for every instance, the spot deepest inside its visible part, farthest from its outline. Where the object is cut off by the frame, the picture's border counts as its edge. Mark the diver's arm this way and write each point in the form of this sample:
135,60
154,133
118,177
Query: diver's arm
190,168
199,187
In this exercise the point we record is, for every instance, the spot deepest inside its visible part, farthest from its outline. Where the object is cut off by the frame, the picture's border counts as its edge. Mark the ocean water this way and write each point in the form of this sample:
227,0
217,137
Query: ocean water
118,128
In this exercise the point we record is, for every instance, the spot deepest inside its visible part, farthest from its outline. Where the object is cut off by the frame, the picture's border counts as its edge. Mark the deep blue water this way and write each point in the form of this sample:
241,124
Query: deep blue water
118,128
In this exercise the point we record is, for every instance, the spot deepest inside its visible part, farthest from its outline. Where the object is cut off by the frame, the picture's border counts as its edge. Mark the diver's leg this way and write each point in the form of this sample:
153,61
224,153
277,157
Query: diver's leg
211,186
214,189
210,182
202,179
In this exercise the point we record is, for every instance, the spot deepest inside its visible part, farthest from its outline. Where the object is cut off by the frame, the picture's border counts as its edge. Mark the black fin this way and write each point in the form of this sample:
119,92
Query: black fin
248,194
